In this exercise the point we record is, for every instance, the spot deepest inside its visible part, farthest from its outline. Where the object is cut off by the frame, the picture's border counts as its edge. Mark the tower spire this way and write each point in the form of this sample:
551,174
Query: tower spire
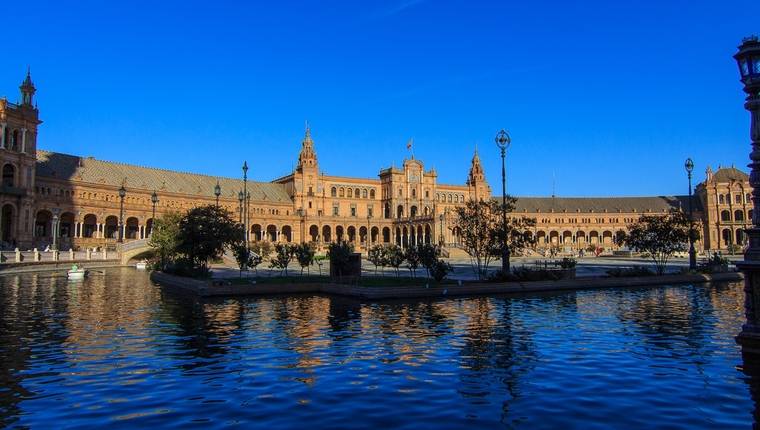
308,156
27,89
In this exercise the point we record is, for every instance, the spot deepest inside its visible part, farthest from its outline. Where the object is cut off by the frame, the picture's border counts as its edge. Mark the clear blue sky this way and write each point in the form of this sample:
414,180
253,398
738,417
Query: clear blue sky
608,97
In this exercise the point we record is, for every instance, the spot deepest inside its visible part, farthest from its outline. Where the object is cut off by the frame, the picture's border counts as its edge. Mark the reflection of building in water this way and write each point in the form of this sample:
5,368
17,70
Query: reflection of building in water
77,199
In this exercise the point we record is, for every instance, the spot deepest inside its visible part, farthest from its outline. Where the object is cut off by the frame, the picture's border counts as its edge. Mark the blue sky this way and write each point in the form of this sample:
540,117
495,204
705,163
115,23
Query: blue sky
601,97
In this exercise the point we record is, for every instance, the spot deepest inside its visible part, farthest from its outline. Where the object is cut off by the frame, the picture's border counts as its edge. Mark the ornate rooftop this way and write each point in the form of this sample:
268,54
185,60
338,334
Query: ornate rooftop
90,170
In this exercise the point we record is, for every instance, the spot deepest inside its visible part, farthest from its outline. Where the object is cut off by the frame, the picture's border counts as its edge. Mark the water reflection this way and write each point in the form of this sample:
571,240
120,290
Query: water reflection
115,351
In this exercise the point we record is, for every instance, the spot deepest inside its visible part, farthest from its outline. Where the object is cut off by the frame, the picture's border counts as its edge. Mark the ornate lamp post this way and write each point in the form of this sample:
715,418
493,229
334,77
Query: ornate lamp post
369,232
748,59
245,209
502,141
55,227
689,165
154,200
240,208
217,193
440,221
122,193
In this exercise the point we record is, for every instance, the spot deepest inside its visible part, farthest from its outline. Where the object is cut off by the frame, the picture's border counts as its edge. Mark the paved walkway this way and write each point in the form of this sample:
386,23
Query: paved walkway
587,267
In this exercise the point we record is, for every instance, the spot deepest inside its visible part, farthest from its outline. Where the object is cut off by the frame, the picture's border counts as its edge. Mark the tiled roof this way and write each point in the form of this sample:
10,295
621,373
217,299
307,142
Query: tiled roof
89,170
727,174
602,204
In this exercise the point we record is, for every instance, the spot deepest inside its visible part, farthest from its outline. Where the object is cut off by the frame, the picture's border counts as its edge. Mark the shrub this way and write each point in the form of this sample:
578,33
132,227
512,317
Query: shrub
412,258
429,255
439,270
394,256
283,255
376,256
340,254
305,255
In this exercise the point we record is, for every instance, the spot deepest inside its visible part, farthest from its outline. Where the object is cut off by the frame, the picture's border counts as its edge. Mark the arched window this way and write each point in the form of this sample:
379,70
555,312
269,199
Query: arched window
738,199
725,215
15,138
350,192
341,192
9,173
400,192
413,211
399,211
450,198
372,194
721,199
738,215
748,198
333,192
357,193
414,192
364,193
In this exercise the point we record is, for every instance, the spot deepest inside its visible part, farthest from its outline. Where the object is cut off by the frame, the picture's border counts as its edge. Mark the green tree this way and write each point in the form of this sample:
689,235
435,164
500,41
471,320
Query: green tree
376,256
660,236
429,255
482,231
305,255
164,238
340,255
262,248
394,256
204,232
412,258
283,255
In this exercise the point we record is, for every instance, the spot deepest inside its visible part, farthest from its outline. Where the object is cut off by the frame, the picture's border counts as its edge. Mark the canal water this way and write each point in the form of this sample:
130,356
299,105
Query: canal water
115,352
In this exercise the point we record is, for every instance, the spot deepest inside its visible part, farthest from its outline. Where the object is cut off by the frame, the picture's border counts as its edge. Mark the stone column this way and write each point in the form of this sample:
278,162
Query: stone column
88,254
2,135
71,254
18,255
23,140
36,255
56,255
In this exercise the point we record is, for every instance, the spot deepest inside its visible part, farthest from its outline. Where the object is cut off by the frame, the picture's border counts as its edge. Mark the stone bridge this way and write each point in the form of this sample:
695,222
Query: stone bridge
132,249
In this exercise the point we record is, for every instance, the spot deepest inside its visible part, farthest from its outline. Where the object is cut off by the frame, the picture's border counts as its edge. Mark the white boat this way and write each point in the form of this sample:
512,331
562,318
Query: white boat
76,273
141,265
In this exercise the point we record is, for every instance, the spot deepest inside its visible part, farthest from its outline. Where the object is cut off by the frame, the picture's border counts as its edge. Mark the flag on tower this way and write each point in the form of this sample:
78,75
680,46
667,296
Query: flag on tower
409,144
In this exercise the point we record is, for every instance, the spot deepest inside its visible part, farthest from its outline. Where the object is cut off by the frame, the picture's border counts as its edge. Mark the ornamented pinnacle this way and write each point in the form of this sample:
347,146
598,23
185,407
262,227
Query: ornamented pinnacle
308,156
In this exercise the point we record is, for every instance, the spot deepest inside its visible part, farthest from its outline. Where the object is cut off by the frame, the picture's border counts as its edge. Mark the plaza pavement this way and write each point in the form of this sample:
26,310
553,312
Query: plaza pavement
586,267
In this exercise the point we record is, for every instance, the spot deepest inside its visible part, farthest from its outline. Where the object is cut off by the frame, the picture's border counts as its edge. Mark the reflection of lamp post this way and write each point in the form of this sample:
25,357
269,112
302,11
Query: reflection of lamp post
502,141
154,200
748,59
56,220
217,193
689,165
122,193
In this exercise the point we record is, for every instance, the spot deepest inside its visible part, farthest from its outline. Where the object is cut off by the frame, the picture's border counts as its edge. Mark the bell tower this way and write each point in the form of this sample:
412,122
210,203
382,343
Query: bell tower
476,180
306,177
18,157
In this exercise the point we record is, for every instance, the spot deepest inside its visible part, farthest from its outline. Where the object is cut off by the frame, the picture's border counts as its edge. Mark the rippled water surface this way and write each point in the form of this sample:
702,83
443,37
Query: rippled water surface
115,351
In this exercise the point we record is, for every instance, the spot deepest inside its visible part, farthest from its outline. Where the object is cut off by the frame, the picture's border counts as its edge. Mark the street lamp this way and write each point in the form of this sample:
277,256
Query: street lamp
502,141
369,232
122,193
748,60
154,200
240,208
55,227
245,209
217,193
441,239
689,165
